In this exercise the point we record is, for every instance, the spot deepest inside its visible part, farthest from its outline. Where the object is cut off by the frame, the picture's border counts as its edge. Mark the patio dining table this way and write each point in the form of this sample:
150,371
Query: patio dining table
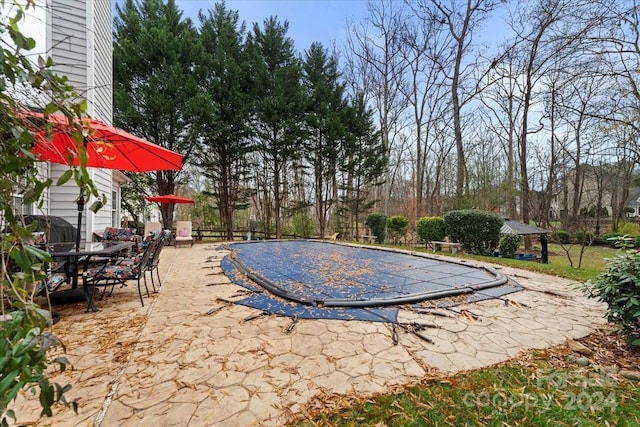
94,252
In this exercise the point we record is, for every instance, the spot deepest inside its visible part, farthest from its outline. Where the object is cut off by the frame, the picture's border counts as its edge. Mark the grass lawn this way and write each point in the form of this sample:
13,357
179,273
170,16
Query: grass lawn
543,388
527,392
593,261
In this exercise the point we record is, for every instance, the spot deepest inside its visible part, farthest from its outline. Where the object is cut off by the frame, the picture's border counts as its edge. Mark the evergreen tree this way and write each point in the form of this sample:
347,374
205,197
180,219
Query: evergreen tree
365,160
279,106
156,93
225,131
324,123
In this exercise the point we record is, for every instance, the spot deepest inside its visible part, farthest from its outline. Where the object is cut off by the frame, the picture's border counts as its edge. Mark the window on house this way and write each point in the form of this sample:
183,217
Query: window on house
19,208
114,209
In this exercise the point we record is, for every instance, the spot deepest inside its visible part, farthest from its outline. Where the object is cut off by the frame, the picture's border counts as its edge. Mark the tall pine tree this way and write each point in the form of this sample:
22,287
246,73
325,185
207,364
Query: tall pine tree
279,106
365,160
326,130
156,94
225,131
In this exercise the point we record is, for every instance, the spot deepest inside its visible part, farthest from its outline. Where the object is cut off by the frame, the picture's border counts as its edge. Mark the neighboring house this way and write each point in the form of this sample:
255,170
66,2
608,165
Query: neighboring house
632,205
595,184
603,187
77,34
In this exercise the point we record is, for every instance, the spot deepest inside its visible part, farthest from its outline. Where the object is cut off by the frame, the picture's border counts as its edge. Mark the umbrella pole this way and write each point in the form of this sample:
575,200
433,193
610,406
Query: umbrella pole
80,212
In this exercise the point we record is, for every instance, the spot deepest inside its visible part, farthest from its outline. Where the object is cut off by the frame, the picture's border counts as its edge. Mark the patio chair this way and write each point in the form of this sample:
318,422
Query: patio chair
183,233
151,227
56,276
119,273
163,237
155,259
120,234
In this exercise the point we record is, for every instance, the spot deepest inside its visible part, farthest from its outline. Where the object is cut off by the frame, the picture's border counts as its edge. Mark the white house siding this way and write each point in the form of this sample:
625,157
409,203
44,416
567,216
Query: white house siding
62,199
79,41
69,32
99,91
103,179
103,60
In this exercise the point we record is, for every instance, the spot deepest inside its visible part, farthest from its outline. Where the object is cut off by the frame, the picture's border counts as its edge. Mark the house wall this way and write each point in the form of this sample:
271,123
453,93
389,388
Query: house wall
79,39
589,192
102,76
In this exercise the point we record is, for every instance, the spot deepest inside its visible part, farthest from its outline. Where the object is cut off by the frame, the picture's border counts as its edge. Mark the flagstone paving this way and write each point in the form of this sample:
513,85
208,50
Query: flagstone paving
188,358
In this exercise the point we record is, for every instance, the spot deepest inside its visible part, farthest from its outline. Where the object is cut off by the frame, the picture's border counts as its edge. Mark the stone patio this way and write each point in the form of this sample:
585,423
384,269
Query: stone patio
189,358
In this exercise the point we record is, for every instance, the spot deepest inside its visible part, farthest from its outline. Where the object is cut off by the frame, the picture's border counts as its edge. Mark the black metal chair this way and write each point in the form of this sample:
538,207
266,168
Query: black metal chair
119,273
155,258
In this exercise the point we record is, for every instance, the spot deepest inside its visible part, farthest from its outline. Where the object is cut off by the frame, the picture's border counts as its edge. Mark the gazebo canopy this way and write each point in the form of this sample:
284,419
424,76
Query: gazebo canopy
514,227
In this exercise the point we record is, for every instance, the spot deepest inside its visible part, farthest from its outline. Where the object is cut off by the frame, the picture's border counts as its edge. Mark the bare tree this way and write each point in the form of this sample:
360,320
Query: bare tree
374,55
574,100
460,19
544,35
423,48
502,102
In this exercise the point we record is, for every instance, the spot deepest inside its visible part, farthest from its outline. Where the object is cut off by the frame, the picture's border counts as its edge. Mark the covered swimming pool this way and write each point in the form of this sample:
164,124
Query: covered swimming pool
318,279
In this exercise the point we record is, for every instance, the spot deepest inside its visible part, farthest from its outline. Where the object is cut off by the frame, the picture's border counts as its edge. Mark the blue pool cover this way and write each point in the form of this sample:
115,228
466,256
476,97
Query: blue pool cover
316,279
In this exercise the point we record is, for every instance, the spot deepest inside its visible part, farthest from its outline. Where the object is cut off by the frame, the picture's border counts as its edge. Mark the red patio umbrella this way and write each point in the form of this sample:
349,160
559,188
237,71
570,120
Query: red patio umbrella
107,147
169,198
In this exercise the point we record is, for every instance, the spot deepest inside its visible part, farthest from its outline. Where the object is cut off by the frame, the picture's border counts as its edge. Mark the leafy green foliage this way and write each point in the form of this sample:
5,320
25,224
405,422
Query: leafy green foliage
377,223
509,244
25,343
618,286
302,225
584,238
155,90
630,228
363,159
561,236
430,228
325,122
478,231
611,238
397,227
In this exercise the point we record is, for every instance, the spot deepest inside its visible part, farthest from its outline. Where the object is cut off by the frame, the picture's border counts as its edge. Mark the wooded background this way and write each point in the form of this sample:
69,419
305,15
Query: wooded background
528,109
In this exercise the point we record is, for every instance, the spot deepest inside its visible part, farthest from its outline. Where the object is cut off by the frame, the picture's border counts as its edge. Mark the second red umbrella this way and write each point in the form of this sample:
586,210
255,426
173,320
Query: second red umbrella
169,198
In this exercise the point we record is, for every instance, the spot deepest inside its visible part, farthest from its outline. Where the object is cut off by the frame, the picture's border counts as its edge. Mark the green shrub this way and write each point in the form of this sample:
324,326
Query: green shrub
561,236
377,223
478,231
509,244
302,225
584,238
610,238
430,228
619,287
397,227
628,228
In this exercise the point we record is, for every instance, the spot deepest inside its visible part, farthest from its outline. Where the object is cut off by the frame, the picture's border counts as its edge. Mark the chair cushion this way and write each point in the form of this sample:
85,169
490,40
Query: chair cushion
184,233
114,271
52,283
119,234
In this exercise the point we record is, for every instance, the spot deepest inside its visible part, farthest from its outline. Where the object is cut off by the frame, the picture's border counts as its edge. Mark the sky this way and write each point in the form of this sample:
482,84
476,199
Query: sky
310,21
